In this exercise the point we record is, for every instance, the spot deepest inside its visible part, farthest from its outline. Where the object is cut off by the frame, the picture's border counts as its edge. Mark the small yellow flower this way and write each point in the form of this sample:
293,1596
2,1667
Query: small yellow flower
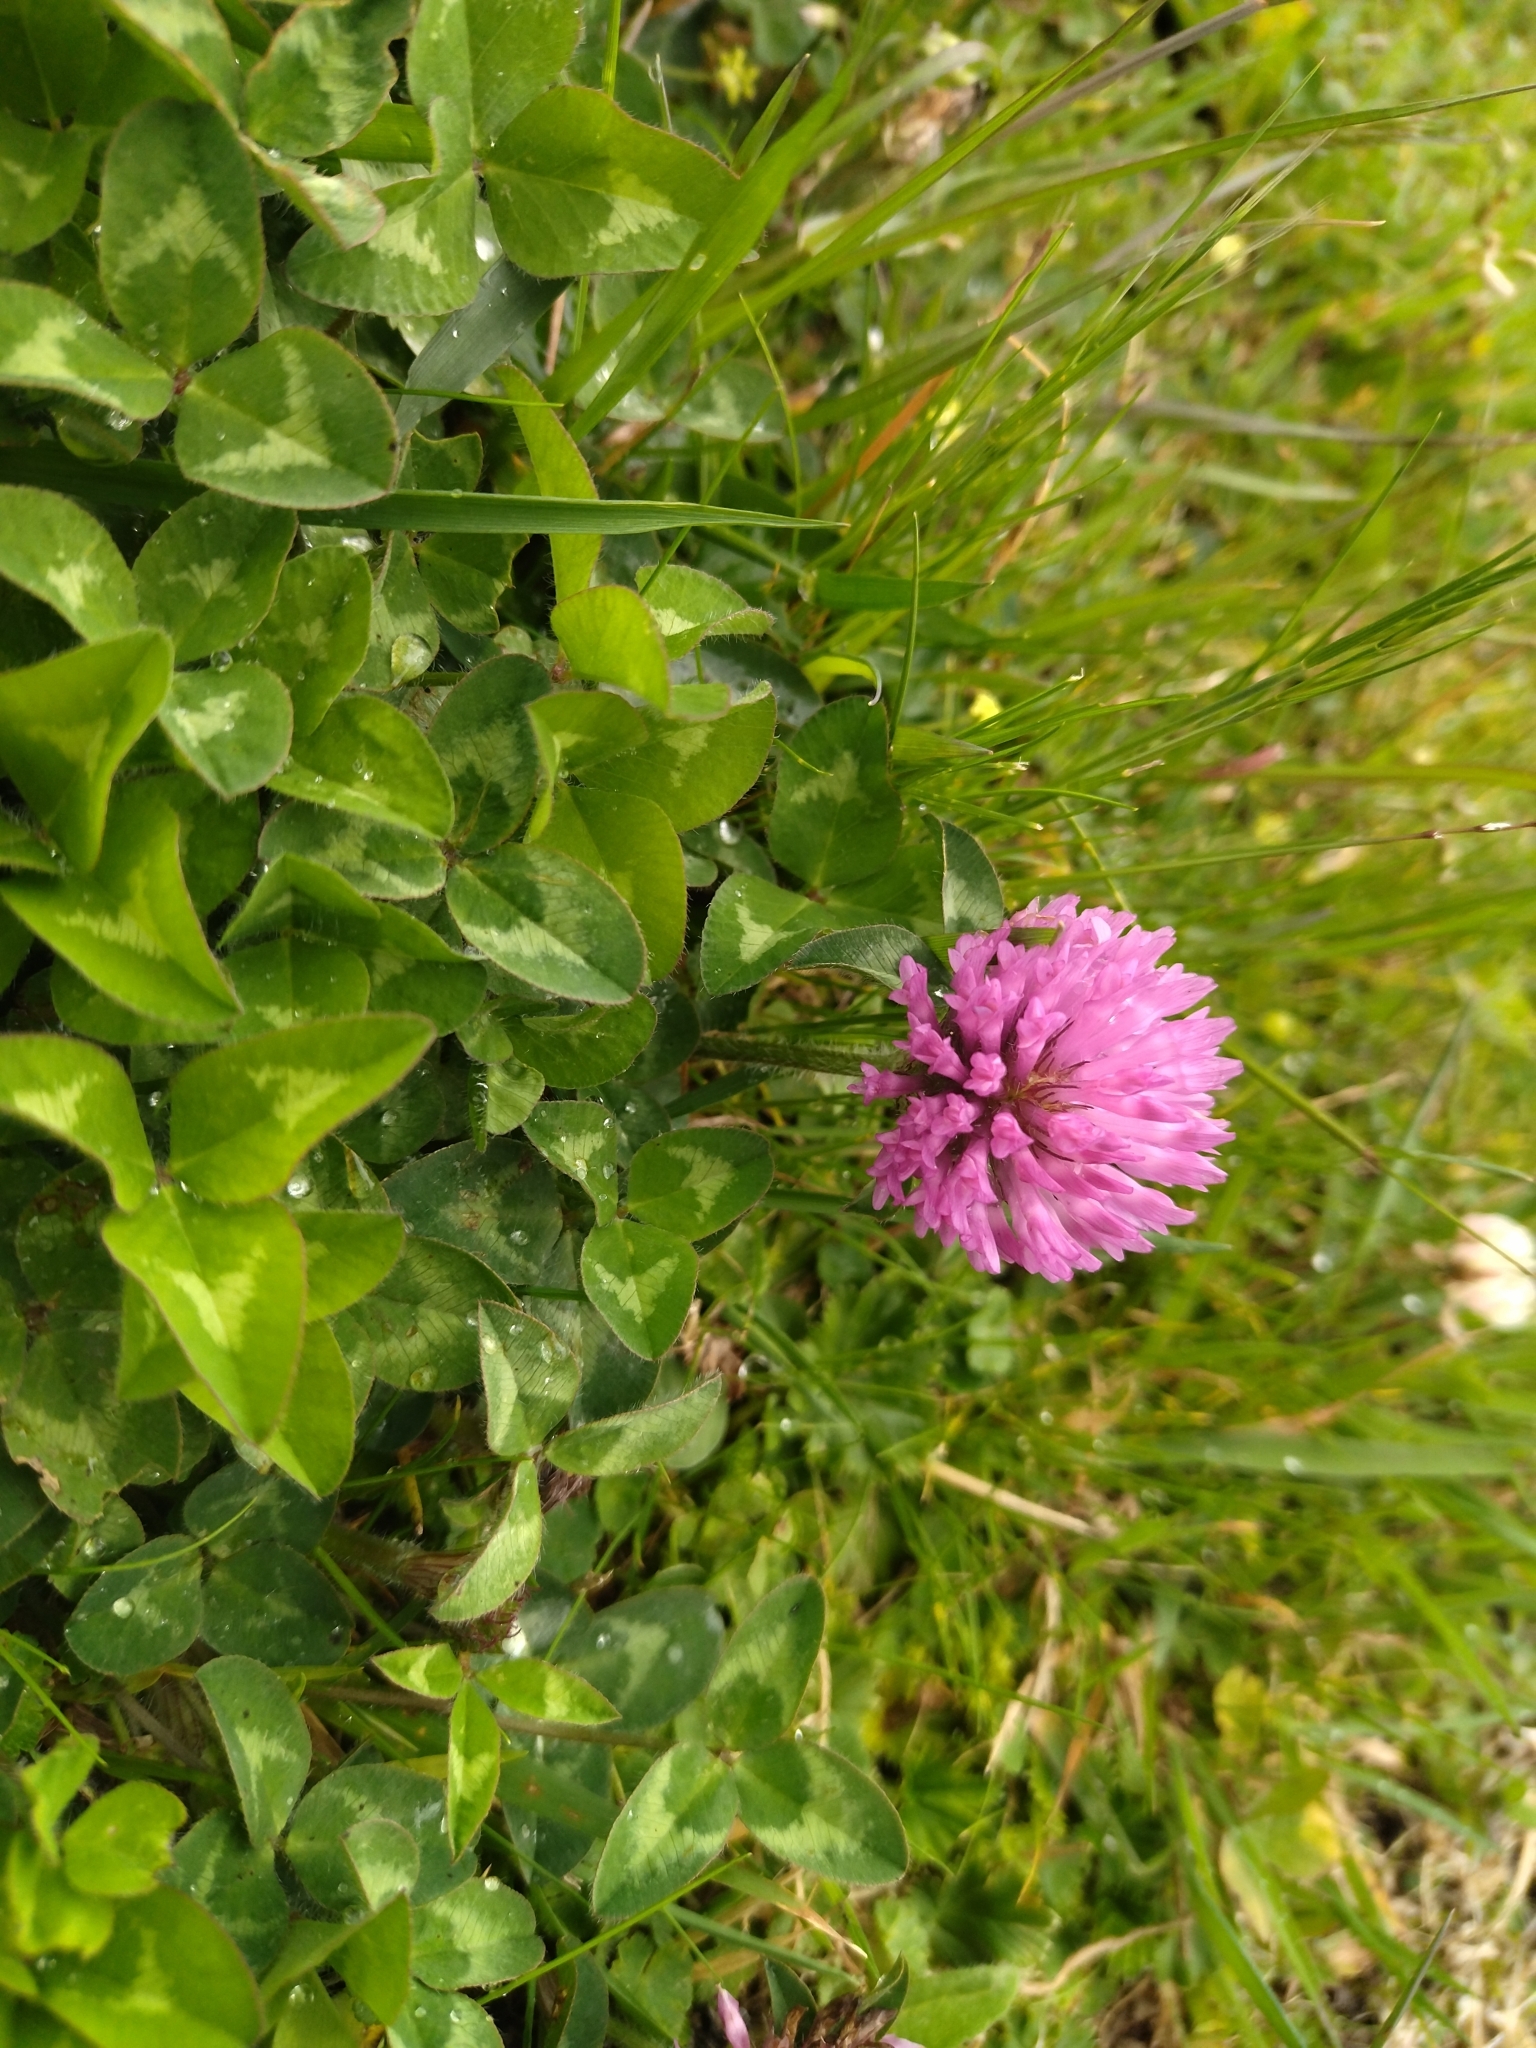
736,76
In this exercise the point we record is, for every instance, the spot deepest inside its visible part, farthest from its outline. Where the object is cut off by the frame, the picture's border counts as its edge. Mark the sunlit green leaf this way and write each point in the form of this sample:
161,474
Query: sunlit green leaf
369,758
696,769
628,1443
327,71
230,1282
422,260
346,1255
233,724
474,1764
316,632
379,859
79,1094
375,1961
488,751
293,421
576,185
836,814
695,1182
49,344
972,895
264,1737
293,980
672,1827
42,174
244,1116
313,1442
207,576
430,1668
543,1692
609,636
480,1933
755,1692
530,1376
170,1973
505,51
630,843
506,1560
561,473
129,926
367,1792
52,548
752,927
810,1806
550,921
641,1281
689,606
419,1327
190,35
578,728
66,724
581,1051
580,1139
180,241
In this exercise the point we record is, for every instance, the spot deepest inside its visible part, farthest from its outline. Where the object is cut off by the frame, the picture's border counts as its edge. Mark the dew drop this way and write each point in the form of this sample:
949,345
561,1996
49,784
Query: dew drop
122,1607
421,1378
300,1186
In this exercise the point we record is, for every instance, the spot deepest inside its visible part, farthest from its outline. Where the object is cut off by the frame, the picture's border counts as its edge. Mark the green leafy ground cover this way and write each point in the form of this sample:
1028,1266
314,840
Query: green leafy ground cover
1169,411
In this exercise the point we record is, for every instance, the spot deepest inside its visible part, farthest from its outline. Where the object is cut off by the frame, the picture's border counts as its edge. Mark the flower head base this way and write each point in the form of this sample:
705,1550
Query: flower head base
1062,1080
841,2024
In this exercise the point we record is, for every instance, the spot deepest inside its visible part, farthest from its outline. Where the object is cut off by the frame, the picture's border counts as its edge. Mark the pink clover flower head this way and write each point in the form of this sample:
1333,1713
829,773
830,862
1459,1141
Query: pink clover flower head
1063,1079
732,2019
734,2022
